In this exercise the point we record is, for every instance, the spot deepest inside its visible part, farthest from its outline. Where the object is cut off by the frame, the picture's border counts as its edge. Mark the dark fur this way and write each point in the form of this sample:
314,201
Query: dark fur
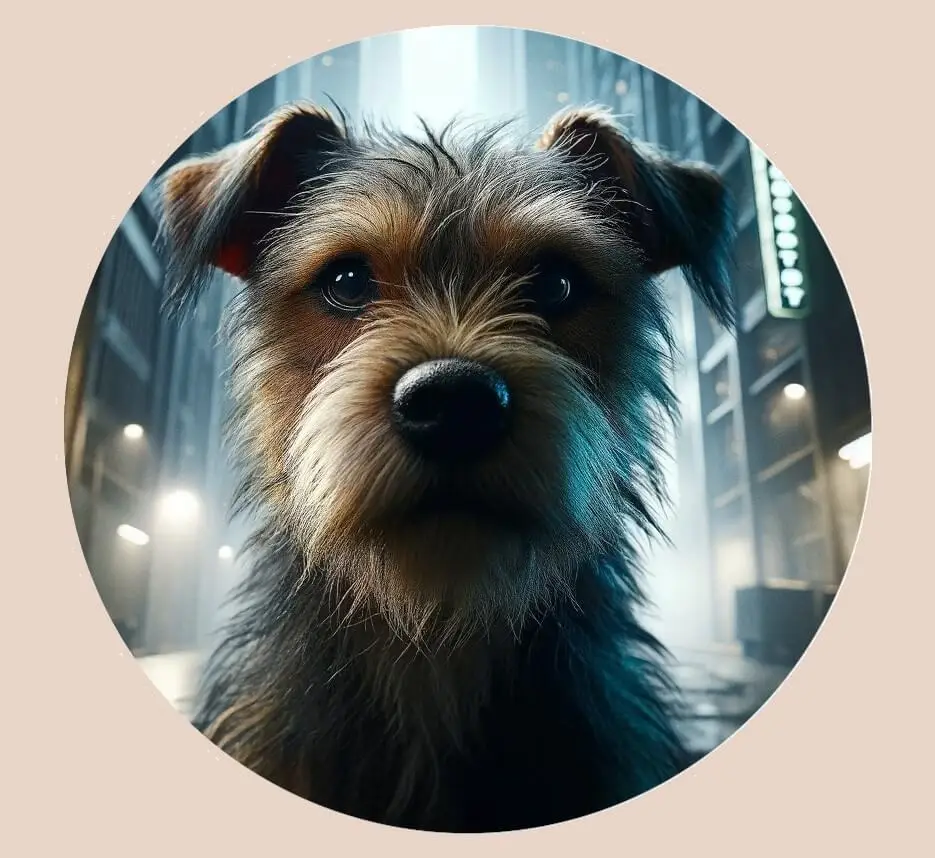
568,711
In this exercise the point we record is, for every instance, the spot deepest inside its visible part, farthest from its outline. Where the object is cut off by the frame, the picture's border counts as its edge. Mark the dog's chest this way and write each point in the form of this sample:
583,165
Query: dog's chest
466,746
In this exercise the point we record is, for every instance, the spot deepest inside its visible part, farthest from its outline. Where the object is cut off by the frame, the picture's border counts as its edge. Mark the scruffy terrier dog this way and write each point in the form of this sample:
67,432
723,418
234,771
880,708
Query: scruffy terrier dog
450,373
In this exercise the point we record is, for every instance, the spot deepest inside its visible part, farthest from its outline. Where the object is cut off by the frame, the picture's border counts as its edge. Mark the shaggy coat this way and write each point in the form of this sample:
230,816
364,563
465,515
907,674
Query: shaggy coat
447,648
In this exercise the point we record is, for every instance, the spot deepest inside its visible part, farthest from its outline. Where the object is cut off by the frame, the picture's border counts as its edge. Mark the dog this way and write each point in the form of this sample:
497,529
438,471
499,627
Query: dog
450,377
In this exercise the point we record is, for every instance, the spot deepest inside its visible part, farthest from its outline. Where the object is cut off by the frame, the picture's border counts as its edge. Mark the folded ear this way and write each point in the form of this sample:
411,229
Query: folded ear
218,209
680,214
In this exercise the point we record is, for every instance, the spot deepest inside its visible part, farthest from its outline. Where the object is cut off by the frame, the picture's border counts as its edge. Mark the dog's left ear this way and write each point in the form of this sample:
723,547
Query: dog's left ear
680,214
218,209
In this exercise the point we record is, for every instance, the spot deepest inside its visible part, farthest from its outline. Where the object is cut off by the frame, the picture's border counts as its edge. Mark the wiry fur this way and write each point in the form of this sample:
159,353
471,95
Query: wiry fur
460,670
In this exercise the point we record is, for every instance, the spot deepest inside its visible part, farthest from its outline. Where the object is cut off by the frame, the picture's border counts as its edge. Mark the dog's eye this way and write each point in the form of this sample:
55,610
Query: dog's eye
554,285
347,284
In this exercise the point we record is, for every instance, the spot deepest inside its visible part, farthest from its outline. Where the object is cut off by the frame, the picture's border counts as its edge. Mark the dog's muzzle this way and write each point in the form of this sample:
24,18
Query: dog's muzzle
452,409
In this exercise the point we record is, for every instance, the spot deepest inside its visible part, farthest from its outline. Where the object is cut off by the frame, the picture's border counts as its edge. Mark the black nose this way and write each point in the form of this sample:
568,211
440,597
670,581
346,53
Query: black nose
451,409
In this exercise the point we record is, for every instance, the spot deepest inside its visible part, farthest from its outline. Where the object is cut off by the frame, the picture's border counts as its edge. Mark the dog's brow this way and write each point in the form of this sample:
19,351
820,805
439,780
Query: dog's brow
397,233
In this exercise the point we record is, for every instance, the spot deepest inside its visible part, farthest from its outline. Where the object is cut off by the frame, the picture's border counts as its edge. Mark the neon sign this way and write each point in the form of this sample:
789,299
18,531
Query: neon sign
778,214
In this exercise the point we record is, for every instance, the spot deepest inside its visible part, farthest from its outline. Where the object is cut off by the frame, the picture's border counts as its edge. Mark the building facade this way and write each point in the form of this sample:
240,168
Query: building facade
777,413
119,377
165,484
783,398
143,409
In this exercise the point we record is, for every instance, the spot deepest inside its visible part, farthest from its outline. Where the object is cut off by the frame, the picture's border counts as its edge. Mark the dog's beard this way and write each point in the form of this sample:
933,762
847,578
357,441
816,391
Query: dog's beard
442,556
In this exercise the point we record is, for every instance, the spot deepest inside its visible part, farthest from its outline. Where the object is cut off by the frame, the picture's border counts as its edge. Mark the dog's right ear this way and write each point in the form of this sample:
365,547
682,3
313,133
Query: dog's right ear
679,214
218,209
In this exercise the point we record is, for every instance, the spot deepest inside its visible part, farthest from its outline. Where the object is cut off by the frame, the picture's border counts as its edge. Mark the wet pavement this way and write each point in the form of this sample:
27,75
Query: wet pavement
721,690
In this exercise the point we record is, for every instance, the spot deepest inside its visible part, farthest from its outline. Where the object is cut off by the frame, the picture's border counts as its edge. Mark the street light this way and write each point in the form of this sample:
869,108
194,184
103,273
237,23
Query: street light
179,507
132,534
133,431
794,391
857,453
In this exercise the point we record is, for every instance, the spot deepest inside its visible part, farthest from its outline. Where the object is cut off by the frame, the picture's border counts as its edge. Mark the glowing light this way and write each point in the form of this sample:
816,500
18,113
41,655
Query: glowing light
133,431
562,97
794,391
453,55
621,87
794,295
327,60
786,284
132,534
225,552
179,506
858,452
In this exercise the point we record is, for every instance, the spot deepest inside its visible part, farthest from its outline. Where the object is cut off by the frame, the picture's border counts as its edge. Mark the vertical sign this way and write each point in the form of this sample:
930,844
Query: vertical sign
778,217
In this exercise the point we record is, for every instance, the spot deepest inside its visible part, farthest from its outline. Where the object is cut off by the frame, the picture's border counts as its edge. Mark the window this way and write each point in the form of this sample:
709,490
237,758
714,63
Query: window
772,342
716,387
791,524
724,456
780,421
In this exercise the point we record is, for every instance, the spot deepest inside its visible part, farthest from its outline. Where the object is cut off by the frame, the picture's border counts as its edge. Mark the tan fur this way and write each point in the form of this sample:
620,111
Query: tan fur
387,614
353,482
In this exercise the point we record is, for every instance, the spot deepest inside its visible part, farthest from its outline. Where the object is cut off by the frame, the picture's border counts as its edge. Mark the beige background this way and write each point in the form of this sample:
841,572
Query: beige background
98,94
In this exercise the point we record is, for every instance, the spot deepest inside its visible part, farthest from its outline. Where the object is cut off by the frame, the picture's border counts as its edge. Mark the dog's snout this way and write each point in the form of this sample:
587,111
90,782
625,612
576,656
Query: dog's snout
452,409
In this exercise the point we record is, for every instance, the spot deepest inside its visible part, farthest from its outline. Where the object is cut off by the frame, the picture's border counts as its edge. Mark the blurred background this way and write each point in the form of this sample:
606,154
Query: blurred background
771,464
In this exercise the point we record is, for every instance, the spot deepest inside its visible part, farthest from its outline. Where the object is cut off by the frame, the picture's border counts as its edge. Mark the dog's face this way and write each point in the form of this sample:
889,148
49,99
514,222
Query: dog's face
451,353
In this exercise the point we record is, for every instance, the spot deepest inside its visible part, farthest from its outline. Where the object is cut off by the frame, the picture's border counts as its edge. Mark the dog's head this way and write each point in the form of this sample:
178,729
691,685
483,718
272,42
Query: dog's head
451,352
